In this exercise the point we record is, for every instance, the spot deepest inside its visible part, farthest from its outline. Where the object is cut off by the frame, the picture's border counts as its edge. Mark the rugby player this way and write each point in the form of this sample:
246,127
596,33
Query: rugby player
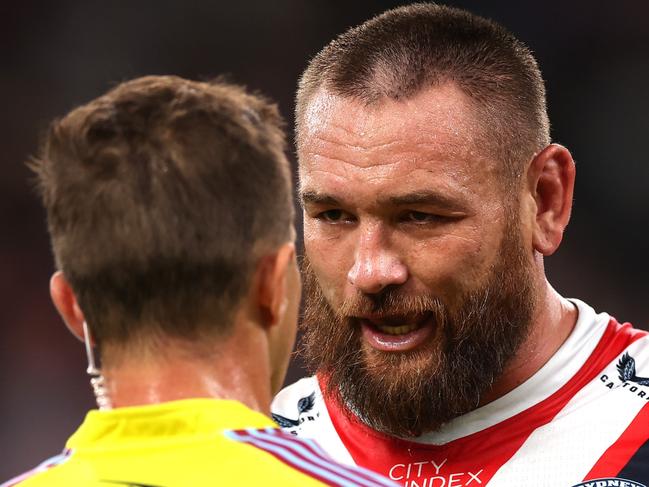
170,214
432,194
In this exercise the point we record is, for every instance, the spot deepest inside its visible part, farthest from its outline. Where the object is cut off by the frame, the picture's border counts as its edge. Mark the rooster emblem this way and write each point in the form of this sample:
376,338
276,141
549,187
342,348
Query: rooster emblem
626,369
304,405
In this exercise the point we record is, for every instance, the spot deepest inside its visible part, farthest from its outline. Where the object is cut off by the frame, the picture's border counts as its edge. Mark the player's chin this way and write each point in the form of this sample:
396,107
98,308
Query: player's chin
391,366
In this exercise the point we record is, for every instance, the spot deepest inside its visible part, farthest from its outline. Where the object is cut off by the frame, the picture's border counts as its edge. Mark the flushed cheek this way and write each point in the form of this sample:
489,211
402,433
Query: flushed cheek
330,261
447,268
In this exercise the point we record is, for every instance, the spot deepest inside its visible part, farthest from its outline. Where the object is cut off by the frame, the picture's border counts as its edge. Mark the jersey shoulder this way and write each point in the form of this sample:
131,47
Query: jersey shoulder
47,473
301,410
233,457
300,455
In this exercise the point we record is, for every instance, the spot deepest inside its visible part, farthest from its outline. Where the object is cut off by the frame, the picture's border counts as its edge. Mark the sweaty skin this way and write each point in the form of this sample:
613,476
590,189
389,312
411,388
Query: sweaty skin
247,363
407,193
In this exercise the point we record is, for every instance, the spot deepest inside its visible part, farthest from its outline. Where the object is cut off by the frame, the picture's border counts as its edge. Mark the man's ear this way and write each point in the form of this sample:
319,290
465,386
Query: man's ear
66,304
271,280
551,180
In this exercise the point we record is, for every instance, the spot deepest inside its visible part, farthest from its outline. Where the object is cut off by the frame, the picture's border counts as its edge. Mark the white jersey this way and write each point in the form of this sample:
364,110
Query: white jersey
581,420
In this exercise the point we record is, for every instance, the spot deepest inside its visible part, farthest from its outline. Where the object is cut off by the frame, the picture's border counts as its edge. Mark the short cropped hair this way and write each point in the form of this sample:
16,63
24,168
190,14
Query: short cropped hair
409,49
160,197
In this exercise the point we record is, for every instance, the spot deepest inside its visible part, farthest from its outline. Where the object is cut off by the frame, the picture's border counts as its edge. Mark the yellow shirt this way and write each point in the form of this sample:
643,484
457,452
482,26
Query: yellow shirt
193,442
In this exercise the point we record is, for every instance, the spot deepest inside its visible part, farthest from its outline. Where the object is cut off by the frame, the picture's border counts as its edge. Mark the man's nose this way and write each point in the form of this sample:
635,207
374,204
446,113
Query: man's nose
376,266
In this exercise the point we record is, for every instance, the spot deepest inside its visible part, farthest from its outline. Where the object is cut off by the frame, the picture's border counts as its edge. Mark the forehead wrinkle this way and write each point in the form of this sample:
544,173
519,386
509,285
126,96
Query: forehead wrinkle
352,183
320,135
442,115
418,146
345,166
380,133
436,134
429,167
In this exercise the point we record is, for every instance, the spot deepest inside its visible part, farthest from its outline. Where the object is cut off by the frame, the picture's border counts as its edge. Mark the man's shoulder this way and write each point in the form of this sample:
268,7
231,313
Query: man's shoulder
628,347
301,410
47,473
225,457
302,456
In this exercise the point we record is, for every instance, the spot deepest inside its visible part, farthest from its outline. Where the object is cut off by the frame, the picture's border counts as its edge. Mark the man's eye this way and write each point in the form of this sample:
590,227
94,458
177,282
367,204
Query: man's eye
334,216
421,217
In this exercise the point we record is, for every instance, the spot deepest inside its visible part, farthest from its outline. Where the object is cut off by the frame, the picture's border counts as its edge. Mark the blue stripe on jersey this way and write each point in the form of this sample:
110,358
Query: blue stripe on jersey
49,463
637,468
299,448
368,473
288,457
316,454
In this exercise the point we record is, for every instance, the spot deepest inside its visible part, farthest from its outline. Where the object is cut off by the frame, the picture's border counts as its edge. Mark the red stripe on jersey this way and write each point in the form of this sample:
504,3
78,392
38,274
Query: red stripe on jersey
619,453
473,459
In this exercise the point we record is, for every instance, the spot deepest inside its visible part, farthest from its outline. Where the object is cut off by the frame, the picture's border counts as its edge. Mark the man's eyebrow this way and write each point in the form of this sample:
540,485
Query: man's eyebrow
425,198
415,198
312,197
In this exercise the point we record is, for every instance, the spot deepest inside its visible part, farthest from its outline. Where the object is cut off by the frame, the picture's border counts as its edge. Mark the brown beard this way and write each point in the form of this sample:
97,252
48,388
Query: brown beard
409,393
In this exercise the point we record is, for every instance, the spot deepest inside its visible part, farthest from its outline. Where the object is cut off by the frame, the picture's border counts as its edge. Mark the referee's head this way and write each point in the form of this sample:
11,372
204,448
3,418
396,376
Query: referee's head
170,213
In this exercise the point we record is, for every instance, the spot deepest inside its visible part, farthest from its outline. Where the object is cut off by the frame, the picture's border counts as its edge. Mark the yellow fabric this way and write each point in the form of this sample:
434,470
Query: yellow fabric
179,443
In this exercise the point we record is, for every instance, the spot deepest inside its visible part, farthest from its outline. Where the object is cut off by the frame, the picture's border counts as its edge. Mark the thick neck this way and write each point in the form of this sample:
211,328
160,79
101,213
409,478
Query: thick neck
555,318
236,369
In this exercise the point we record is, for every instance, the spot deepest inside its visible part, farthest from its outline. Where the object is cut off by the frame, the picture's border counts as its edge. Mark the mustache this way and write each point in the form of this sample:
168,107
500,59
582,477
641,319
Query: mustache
391,302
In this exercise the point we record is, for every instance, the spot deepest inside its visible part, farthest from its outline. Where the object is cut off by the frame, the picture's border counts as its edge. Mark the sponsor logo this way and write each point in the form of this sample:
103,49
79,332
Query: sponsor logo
431,473
610,482
629,380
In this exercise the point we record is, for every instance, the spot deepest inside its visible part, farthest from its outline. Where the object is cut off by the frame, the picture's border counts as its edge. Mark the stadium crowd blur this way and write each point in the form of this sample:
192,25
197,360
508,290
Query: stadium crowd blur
56,55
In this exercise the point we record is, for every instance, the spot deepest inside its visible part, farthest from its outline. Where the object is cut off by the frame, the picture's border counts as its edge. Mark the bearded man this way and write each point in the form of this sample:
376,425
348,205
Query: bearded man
432,194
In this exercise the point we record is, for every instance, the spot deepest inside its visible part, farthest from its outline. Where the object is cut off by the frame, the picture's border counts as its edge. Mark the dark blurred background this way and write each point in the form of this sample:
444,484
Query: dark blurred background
56,55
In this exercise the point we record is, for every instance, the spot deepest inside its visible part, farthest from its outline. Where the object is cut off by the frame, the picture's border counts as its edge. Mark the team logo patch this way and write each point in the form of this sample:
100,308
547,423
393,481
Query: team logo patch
610,482
304,406
626,369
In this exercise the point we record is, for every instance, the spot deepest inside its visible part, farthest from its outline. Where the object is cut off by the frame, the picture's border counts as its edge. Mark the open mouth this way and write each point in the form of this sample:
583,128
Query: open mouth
397,329
397,333
397,325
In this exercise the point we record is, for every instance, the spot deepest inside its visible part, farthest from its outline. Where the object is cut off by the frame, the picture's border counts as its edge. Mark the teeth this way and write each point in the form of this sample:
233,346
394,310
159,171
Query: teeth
397,330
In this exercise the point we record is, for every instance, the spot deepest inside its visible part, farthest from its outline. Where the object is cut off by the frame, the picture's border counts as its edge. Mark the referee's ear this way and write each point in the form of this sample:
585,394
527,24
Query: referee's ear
271,283
66,304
